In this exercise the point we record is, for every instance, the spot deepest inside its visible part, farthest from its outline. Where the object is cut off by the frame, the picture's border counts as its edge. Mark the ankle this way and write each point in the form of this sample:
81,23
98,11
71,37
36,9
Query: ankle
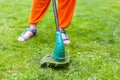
61,29
33,26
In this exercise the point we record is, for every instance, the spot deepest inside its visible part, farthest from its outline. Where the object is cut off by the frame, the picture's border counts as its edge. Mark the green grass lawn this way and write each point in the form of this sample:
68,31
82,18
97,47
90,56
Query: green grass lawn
94,51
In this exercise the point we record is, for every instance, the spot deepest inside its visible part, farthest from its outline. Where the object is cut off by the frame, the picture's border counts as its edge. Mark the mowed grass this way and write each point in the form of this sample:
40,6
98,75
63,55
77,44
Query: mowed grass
94,51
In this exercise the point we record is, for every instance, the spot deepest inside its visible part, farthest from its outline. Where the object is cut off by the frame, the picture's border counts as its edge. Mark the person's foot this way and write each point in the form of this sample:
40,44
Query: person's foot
28,34
64,37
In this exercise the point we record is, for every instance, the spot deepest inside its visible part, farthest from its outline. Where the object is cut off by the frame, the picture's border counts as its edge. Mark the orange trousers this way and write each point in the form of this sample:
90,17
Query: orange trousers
65,11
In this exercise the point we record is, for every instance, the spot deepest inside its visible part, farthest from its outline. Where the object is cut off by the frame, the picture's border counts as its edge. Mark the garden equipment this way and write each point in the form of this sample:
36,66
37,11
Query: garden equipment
58,57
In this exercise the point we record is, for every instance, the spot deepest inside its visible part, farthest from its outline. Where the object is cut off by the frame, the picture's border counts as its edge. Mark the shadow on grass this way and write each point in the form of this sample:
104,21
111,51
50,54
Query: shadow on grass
54,67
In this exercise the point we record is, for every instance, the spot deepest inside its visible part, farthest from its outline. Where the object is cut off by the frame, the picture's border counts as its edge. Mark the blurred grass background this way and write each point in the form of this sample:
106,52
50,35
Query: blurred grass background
94,51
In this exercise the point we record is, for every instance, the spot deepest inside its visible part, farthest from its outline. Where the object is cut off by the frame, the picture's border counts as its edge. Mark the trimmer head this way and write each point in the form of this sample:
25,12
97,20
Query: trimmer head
48,61
58,57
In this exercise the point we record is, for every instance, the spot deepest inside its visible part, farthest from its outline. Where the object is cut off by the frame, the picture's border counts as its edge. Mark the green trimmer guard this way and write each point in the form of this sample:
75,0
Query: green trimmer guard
57,58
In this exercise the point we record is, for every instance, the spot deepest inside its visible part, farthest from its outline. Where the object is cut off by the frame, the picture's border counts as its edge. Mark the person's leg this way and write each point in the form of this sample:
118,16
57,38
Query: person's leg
38,10
65,13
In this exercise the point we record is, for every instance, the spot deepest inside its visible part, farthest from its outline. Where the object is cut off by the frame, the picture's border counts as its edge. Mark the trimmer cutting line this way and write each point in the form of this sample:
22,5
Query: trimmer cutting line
58,57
